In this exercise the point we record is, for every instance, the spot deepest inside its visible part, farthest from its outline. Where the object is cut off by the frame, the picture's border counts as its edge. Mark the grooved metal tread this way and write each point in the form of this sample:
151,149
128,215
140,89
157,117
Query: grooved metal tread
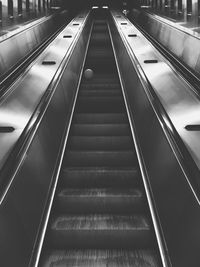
100,142
100,200
100,231
101,222
101,193
100,93
100,52
100,177
100,118
103,85
100,104
99,158
101,258
102,79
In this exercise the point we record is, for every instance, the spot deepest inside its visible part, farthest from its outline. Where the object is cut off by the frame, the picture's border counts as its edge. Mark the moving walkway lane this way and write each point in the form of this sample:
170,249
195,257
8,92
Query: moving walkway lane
100,215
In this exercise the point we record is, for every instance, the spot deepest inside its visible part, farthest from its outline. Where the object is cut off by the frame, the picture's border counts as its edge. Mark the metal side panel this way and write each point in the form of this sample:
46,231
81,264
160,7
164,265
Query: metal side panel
183,43
16,47
177,98
24,95
178,211
22,207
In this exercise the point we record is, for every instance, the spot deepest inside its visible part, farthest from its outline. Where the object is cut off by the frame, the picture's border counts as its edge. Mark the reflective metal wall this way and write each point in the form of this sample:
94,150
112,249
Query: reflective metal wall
15,48
15,12
182,44
183,11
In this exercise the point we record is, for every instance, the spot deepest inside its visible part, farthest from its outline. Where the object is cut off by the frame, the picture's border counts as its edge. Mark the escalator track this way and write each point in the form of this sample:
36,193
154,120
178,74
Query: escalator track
100,215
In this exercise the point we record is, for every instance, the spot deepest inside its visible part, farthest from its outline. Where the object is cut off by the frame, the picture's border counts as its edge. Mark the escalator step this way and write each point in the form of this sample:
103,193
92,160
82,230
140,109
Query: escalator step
100,93
100,177
102,78
99,27
100,258
100,86
99,54
96,41
100,118
100,104
98,200
100,231
100,38
100,129
104,65
100,142
99,158
99,21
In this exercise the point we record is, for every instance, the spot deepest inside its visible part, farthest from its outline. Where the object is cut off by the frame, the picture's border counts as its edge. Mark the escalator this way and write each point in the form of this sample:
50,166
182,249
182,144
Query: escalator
100,216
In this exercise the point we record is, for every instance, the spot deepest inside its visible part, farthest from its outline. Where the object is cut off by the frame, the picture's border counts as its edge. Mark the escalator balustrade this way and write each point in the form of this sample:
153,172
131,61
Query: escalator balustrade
100,215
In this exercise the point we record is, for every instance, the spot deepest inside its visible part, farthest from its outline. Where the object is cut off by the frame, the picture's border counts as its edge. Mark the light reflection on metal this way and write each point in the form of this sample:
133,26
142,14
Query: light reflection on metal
177,96
22,98
56,7
192,116
58,51
143,50
168,124
21,28
10,117
143,6
157,70
42,72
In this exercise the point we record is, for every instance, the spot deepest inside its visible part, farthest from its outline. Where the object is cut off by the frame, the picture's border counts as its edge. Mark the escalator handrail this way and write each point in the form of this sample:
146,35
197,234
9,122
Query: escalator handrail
35,258
18,153
158,232
183,156
191,75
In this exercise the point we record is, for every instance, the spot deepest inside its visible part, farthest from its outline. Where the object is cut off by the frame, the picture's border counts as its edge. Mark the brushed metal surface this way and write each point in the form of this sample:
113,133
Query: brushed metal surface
176,95
183,42
176,204
18,105
15,46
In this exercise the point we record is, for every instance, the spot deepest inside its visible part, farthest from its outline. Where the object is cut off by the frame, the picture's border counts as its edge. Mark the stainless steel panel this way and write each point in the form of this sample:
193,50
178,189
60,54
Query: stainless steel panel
164,34
176,42
182,42
22,207
174,197
23,96
155,30
191,51
16,47
30,38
